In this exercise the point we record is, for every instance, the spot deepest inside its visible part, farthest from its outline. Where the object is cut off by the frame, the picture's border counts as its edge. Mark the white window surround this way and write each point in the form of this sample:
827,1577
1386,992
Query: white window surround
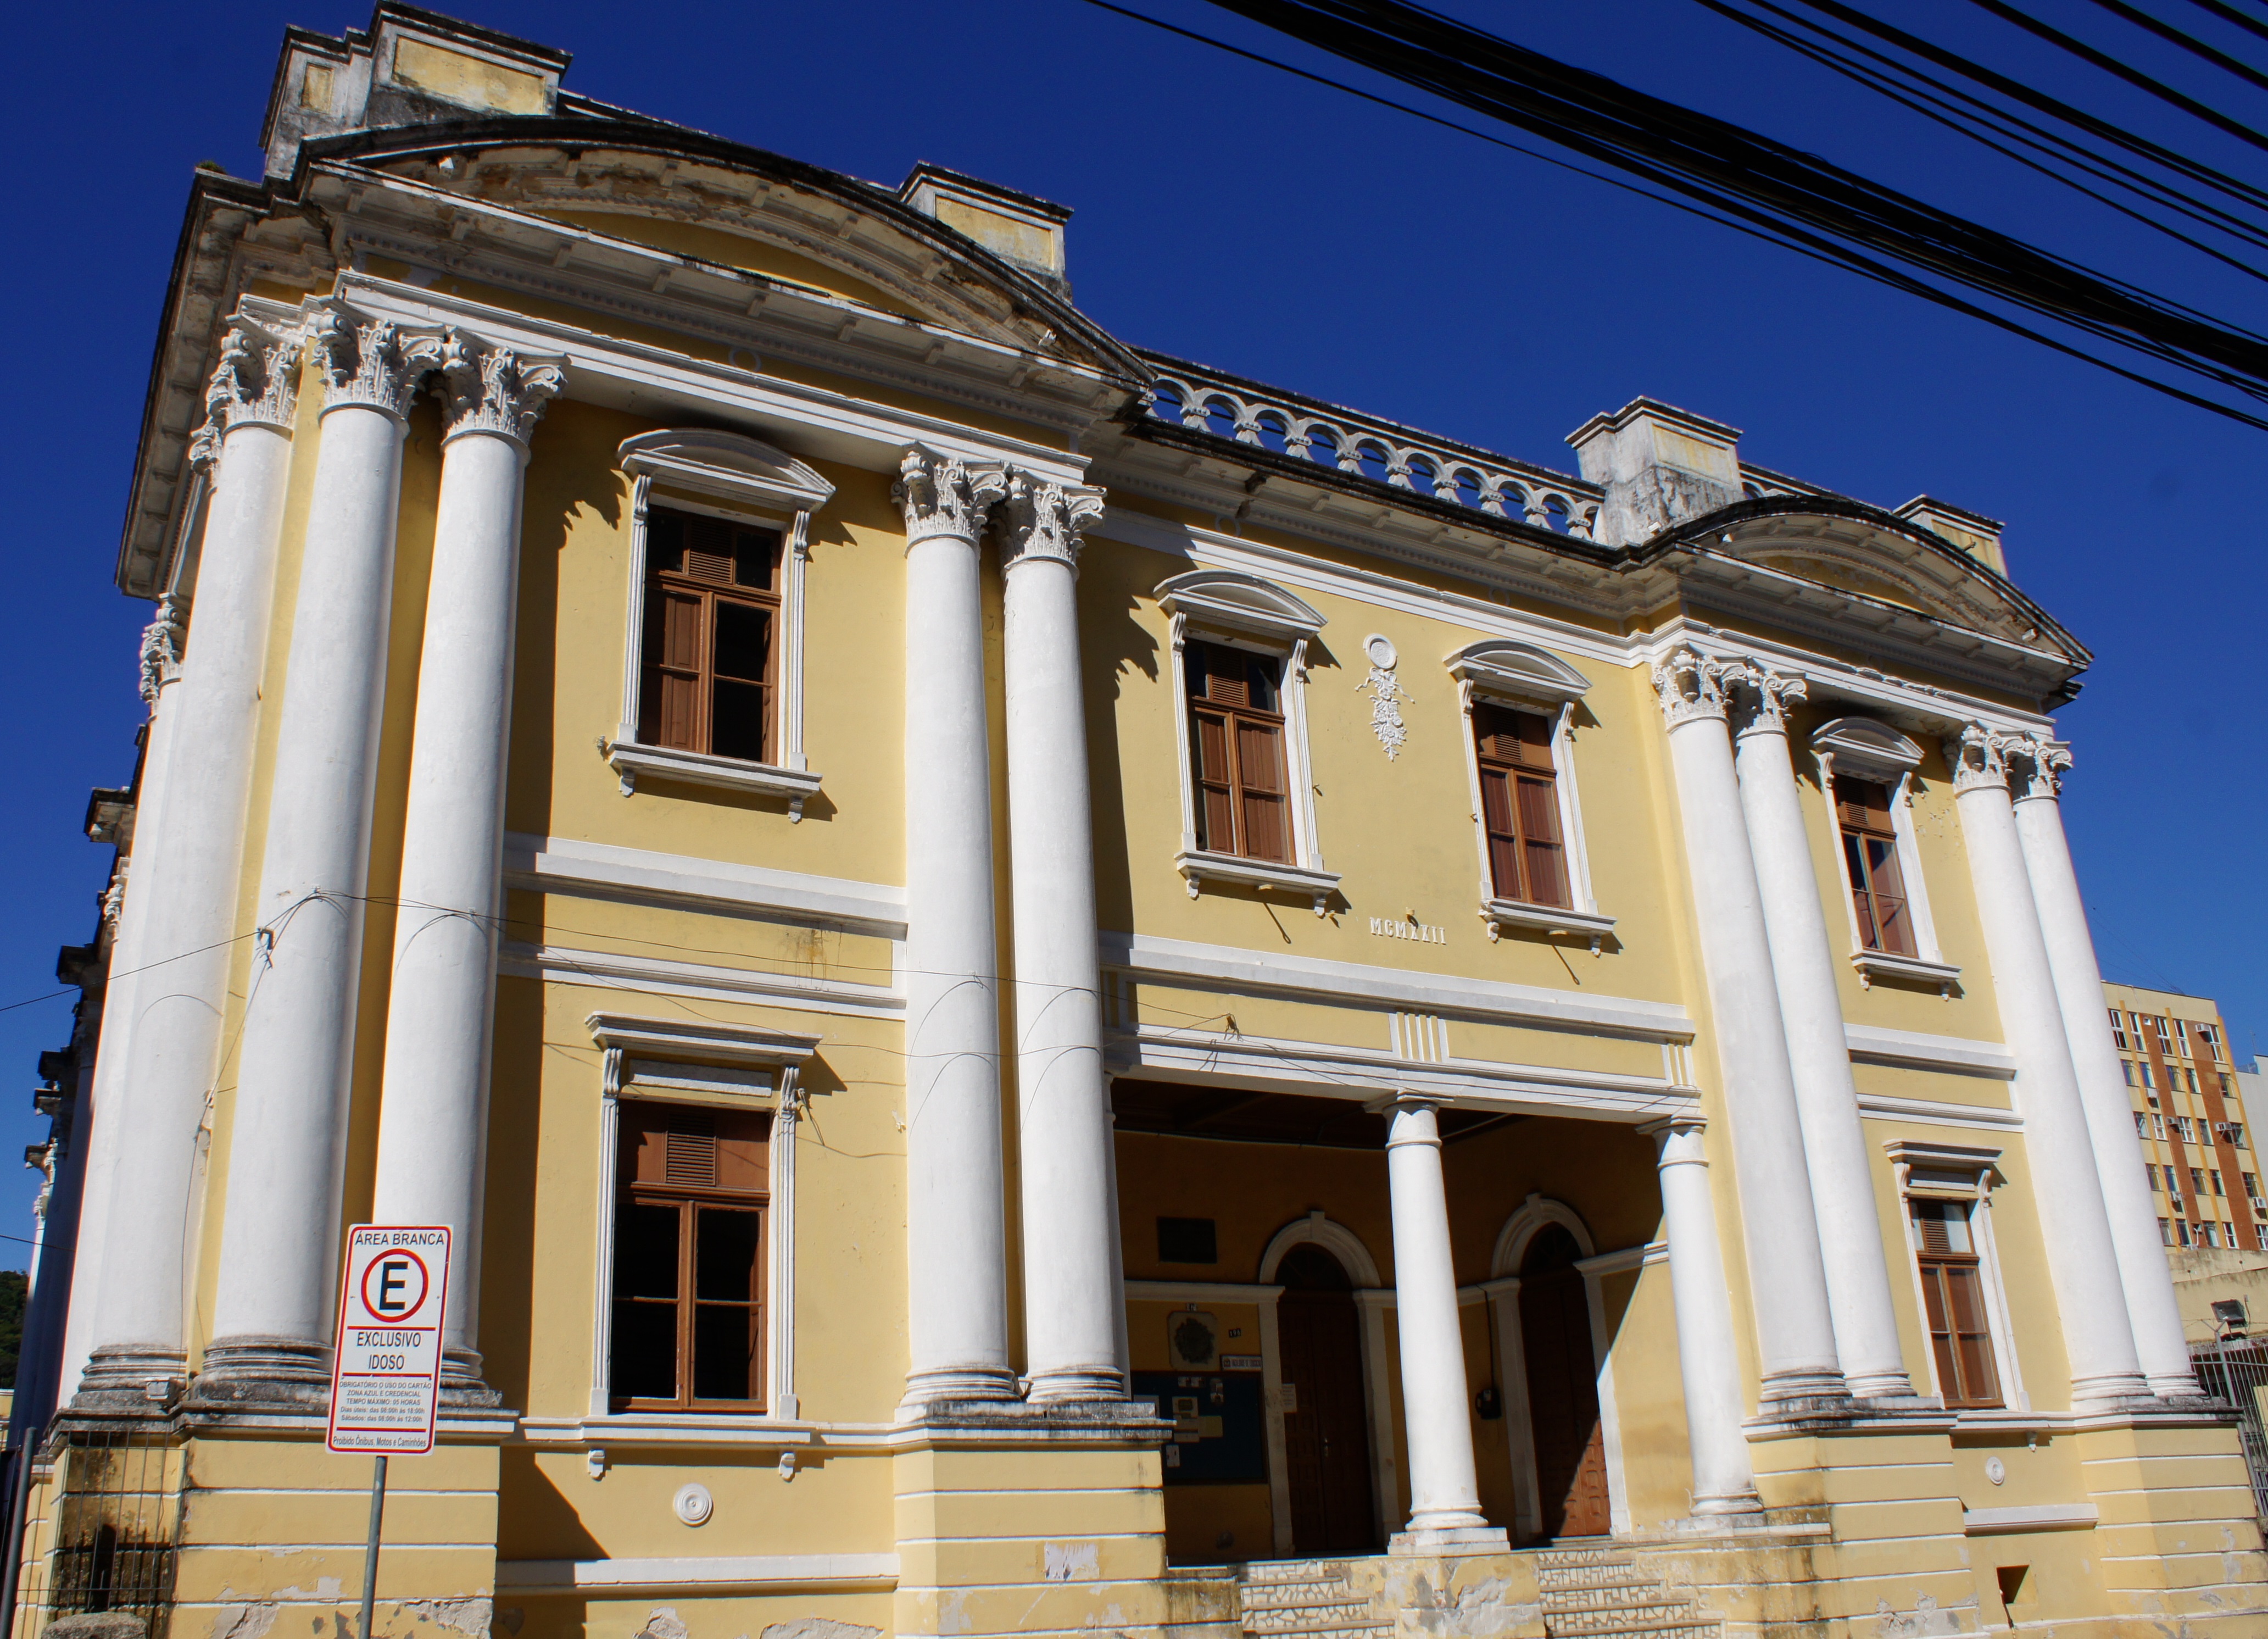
1497,671
1864,749
736,1067
1243,611
1961,1172
725,475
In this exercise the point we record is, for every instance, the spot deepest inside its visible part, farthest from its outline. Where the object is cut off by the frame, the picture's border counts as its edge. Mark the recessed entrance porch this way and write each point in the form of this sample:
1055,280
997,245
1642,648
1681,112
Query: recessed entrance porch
1259,1234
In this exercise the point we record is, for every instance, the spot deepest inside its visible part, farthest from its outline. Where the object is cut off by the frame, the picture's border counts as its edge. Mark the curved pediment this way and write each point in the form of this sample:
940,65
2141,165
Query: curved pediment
1500,666
1848,547
718,462
709,200
1242,602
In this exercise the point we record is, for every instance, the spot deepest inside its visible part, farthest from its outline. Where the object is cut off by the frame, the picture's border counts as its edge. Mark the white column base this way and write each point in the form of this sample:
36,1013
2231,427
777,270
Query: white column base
1444,1540
1052,1386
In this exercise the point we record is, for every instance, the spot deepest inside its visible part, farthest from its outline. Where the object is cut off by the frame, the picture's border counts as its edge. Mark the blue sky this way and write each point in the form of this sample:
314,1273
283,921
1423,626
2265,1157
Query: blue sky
1237,215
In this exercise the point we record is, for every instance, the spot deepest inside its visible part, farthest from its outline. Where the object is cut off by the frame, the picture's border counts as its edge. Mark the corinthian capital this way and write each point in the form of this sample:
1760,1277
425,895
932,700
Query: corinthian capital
1690,686
1978,757
2037,766
372,362
1760,697
493,389
942,495
161,647
255,383
1044,518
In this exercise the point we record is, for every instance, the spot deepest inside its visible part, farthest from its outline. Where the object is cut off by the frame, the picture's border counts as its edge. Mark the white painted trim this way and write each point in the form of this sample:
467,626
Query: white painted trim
664,381
632,761
1583,916
1327,1070
1937,1113
751,1573
1334,1237
713,887
1189,965
1930,966
701,1429
1523,1227
702,1041
1520,1418
780,1400
1979,1164
1378,1395
634,603
1197,865
1874,964
656,976
1272,1397
602,1258
1610,1422
1871,1044
1986,1522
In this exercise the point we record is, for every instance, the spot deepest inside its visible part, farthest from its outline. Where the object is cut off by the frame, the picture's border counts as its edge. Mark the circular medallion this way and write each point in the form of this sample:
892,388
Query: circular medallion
1996,1471
694,1505
1380,650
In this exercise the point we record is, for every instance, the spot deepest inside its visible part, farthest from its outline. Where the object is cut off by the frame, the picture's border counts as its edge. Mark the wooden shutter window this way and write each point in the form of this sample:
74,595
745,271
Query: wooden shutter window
1520,806
1236,743
710,644
1870,859
1952,1299
690,1236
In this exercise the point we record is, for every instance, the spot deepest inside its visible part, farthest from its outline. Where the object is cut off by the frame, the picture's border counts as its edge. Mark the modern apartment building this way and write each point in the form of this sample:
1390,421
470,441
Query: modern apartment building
2190,1119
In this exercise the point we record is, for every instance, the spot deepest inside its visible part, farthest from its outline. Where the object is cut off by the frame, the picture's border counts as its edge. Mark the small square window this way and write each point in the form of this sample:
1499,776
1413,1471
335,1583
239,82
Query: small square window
1188,1241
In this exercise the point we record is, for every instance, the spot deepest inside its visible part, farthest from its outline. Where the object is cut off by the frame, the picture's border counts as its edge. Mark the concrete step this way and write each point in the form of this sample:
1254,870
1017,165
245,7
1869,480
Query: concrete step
1613,1598
1331,1607
1556,1558
1366,1628
1608,1617
1257,1571
1574,1577
1690,1627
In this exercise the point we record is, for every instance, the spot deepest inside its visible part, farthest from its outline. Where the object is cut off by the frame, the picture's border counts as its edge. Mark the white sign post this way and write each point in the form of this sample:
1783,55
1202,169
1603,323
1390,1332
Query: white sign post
386,1370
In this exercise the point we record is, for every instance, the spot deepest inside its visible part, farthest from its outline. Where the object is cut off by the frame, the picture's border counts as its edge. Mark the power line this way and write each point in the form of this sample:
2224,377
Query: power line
2133,75
2189,43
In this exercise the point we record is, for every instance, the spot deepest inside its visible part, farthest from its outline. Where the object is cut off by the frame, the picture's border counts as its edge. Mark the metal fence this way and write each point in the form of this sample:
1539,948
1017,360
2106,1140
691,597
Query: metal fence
2237,1372
102,1529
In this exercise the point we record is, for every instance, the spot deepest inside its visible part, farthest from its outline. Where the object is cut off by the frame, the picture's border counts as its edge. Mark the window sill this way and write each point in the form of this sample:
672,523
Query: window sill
1874,964
747,1430
697,768
1548,919
1197,867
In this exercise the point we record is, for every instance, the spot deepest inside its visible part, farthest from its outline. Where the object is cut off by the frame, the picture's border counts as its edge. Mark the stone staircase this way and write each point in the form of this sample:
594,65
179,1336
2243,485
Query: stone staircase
1603,1594
1305,1599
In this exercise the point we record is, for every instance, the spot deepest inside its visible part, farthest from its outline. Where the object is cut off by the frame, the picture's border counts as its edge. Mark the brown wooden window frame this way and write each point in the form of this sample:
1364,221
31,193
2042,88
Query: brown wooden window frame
695,668
689,1201
1523,821
1235,745
1960,1332
1872,864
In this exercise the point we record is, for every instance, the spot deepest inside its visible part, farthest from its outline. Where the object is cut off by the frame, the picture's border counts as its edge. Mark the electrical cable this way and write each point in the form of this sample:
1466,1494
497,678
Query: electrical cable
2230,14
2188,42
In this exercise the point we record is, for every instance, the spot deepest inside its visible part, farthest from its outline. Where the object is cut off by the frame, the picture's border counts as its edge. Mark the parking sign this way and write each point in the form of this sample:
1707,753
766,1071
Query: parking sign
385,1372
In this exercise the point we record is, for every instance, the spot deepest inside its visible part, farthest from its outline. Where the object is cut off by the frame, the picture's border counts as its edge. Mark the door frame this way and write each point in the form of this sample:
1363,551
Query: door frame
1502,1293
1372,1297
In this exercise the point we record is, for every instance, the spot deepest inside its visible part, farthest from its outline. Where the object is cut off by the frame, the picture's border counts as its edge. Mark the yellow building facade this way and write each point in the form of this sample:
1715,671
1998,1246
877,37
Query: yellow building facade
1051,990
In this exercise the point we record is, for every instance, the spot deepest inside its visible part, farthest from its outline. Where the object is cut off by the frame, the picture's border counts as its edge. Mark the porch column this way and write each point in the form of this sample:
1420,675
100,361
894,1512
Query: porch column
104,1092
2036,770
956,1235
288,1148
185,885
1811,1010
2082,1254
1444,1500
1072,1302
1787,1276
1708,1360
432,1124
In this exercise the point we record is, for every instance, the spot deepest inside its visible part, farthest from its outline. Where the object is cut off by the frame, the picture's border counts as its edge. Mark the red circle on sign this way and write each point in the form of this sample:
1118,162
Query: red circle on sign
399,1278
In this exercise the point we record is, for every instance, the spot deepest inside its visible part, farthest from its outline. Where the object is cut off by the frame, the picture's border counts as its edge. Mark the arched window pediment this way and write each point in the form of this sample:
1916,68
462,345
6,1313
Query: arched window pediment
1240,602
713,462
1866,748
1520,670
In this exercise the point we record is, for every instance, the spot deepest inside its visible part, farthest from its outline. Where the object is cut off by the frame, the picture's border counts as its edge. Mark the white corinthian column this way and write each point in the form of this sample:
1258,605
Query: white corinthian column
1787,1277
432,1124
1803,966
287,1149
186,875
2034,770
1072,1301
1445,1499
956,1237
1708,1357
2082,1255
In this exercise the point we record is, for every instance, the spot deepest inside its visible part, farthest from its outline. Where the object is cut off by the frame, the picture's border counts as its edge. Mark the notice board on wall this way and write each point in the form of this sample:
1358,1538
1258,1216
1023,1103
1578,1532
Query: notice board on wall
1220,1430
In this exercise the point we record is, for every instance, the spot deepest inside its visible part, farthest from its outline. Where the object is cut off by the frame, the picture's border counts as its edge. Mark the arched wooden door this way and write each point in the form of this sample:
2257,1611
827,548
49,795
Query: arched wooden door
1327,1426
1563,1387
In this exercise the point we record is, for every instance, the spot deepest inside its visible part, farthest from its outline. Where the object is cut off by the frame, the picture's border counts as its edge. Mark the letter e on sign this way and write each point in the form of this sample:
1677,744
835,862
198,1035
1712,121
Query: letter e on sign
385,1372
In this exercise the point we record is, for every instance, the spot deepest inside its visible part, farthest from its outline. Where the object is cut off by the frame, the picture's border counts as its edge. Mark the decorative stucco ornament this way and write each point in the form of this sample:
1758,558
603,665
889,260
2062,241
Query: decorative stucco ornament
1385,695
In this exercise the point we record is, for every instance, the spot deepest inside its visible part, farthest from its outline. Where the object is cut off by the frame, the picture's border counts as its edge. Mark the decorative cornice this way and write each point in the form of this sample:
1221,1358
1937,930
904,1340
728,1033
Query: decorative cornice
1044,519
1977,757
161,647
1690,687
2036,765
256,384
372,363
942,495
495,390
1760,697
